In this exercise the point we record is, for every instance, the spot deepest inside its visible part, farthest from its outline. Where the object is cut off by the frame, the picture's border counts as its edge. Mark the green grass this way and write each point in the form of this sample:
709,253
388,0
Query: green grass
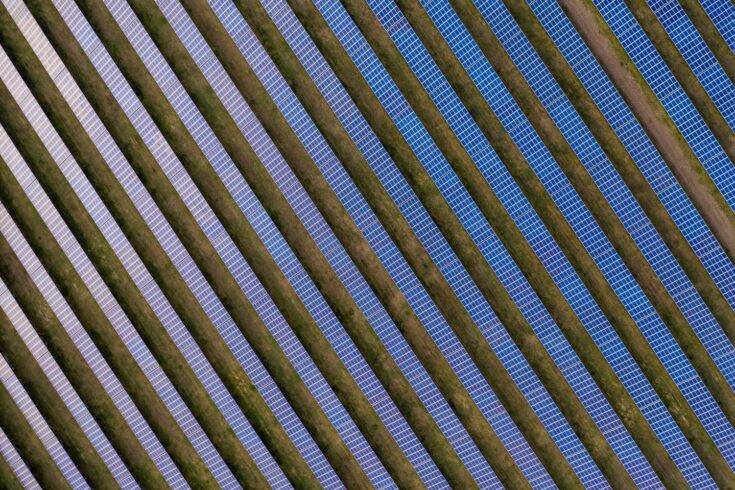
76,370
684,75
606,218
14,424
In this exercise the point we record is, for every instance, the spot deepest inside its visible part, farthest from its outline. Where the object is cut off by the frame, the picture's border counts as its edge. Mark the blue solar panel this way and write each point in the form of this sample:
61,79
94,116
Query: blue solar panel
723,16
603,92
407,202
697,55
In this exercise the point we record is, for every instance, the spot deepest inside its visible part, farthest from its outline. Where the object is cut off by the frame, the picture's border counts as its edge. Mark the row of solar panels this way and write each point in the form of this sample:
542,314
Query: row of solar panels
587,442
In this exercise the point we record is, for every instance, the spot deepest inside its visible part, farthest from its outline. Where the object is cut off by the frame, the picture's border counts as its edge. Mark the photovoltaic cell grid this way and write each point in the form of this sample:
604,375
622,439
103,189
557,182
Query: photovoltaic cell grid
704,326
593,238
15,461
445,181
410,287
535,232
296,354
697,55
561,190
659,328
554,28
699,140
695,311
303,207
53,296
65,315
721,15
39,426
199,287
663,83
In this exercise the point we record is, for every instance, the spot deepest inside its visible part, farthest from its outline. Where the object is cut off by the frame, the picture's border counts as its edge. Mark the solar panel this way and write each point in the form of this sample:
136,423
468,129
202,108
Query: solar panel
409,281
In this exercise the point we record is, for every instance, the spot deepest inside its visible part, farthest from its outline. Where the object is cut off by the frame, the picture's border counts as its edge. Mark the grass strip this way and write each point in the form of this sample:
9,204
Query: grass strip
90,314
308,253
232,296
654,119
712,37
398,228
80,375
145,321
24,439
519,248
157,262
606,138
684,75
583,263
8,478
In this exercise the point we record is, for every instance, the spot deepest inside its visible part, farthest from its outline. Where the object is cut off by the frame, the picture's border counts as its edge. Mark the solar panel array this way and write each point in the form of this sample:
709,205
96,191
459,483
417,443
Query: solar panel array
673,274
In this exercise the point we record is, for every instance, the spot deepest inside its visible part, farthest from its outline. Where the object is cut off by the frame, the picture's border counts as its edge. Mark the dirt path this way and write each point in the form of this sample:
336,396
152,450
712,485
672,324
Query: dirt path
655,121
